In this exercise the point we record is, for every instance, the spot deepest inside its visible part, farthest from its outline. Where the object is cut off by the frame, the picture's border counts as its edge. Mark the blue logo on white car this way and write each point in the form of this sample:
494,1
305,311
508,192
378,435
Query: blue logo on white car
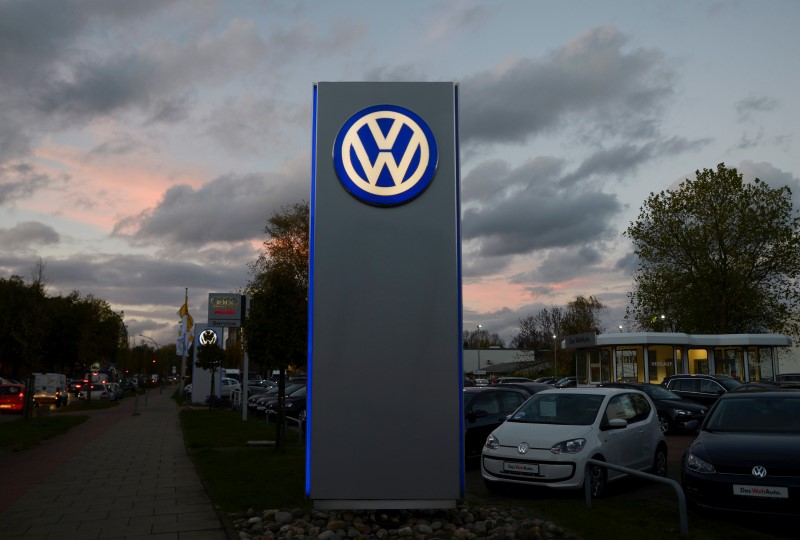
385,155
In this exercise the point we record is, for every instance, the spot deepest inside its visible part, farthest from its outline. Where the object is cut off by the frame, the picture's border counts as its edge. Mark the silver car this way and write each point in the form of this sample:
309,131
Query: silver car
548,440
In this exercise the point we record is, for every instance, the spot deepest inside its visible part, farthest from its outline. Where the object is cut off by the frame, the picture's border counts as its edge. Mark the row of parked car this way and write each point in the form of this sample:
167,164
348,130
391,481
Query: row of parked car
744,456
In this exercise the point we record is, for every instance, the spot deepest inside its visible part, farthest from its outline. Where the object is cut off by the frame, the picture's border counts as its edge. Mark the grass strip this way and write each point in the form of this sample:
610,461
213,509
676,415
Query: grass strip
21,434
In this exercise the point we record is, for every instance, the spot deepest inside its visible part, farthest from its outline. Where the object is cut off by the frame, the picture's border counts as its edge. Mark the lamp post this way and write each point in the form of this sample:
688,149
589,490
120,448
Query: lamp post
555,357
157,349
479,346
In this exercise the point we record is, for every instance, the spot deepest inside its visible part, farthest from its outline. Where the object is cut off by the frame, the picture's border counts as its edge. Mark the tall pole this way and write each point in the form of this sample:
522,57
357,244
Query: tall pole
479,346
555,357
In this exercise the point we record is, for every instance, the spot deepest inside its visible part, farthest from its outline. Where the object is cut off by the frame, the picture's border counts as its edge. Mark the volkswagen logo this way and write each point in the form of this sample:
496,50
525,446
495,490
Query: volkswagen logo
523,448
385,155
207,337
759,471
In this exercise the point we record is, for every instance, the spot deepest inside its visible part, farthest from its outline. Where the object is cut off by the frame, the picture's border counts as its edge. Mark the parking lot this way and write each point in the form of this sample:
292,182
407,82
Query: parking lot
632,488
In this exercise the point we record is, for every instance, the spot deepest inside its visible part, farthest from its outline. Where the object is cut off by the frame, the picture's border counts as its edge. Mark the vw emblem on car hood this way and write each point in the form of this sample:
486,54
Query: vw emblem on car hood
522,448
759,471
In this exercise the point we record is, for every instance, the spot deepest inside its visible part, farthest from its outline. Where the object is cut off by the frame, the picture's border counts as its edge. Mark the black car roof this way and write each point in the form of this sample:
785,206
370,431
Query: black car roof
480,389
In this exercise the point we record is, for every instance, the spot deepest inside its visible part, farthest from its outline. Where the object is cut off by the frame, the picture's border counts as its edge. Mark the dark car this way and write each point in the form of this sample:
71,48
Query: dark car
529,387
674,412
501,380
704,389
757,386
745,456
485,408
293,404
566,382
260,403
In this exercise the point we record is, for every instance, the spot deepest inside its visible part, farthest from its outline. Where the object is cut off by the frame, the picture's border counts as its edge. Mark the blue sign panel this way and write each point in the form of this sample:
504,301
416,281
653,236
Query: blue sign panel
385,155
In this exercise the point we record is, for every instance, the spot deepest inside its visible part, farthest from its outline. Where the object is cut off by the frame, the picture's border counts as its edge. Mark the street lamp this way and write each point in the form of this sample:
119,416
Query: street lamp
151,339
479,346
555,356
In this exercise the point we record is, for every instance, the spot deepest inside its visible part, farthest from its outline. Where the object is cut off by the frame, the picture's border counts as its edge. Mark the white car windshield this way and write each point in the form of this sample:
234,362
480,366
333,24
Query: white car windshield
558,408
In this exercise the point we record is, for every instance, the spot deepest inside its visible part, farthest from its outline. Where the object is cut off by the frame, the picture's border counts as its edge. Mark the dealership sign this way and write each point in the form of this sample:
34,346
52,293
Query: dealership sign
384,269
226,310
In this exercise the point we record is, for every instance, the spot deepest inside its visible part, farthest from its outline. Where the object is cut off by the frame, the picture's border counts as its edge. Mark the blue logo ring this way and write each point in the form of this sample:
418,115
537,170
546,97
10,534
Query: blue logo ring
385,155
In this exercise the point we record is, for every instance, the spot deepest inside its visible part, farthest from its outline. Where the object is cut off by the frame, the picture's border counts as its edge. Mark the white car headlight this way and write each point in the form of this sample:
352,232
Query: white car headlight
681,412
491,442
572,446
694,463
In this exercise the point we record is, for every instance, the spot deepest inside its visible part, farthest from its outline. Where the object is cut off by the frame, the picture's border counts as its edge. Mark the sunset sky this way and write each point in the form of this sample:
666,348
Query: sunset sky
143,145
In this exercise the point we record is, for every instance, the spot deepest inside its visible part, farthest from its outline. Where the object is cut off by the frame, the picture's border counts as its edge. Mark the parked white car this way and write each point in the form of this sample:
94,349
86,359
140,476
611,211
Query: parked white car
228,387
548,440
98,391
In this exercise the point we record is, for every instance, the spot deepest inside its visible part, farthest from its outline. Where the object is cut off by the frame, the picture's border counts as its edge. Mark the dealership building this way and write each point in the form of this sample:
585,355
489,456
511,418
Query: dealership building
648,356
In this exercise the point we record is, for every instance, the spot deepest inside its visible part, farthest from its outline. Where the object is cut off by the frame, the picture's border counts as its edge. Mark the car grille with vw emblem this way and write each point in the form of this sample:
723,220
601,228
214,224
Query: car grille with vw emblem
522,448
759,471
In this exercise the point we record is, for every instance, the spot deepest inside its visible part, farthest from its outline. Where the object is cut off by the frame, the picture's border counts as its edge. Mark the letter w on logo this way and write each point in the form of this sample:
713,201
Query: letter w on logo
385,158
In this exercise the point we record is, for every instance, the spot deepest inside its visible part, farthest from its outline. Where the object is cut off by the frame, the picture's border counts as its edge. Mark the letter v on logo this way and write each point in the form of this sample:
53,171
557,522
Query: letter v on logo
366,146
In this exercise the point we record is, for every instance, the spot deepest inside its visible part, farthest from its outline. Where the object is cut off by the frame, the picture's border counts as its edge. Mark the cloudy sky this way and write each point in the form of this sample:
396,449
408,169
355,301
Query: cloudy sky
143,145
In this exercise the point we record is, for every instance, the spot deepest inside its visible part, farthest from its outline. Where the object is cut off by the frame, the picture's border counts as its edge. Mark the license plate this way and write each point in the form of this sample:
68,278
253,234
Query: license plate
521,468
761,491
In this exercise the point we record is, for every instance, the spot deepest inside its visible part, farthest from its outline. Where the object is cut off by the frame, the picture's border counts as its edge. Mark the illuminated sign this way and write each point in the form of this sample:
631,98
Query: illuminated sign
208,337
385,155
226,309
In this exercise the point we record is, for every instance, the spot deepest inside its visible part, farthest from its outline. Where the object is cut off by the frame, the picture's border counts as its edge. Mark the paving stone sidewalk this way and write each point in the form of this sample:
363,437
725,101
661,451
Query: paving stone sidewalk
122,474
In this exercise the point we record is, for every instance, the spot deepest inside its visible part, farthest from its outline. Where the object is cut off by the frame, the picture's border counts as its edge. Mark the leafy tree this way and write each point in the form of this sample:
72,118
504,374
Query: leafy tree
536,336
276,329
583,316
58,334
480,338
536,332
210,356
717,255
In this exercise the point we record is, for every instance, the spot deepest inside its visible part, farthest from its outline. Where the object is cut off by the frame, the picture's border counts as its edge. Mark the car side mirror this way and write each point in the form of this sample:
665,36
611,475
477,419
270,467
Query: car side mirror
692,425
615,423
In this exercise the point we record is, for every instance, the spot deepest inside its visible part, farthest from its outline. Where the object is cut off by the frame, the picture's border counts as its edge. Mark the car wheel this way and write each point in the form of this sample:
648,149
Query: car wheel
660,463
666,425
597,481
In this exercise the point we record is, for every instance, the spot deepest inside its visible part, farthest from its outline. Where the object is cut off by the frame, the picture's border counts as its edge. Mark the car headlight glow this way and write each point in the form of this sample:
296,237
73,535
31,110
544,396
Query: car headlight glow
681,412
572,446
694,463
492,442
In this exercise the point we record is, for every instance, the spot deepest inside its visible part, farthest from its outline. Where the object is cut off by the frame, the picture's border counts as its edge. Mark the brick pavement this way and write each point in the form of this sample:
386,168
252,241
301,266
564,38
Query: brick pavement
122,474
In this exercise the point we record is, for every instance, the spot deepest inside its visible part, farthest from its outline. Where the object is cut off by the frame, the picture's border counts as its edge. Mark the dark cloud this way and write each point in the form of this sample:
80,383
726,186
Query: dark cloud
528,212
227,209
745,108
591,81
20,181
26,235
624,159
563,265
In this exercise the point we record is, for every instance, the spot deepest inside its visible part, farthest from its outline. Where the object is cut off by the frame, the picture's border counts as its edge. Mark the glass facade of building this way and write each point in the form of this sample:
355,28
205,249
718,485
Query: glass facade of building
652,356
